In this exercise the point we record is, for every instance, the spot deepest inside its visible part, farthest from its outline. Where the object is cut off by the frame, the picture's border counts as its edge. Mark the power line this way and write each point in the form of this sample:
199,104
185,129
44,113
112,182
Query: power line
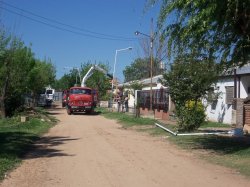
92,35
67,25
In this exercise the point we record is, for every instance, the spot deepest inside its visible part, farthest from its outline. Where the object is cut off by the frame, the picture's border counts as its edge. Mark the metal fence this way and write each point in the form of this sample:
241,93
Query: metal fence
160,99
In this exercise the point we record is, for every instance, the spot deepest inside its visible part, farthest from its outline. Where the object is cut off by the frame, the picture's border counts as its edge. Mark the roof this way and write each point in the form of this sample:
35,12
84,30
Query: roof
155,80
244,70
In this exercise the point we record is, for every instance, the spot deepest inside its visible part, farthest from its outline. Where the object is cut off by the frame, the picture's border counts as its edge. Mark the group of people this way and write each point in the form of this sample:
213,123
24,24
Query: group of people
122,101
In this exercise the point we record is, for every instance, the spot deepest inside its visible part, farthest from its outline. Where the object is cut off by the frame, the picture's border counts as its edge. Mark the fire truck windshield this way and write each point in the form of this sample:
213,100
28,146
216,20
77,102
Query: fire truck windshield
80,91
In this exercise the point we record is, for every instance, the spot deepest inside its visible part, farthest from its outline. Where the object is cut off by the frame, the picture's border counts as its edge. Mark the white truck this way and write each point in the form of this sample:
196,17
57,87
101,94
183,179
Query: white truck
47,97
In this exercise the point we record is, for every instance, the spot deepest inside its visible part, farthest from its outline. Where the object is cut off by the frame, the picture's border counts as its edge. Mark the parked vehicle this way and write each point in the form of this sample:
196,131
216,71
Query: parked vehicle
65,96
46,97
83,99
80,99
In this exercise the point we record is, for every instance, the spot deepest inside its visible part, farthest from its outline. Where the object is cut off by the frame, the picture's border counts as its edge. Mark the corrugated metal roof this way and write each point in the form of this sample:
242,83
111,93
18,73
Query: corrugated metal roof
243,70
155,80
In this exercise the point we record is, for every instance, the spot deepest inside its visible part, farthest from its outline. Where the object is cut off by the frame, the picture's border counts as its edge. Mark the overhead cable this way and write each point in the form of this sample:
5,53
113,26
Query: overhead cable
79,32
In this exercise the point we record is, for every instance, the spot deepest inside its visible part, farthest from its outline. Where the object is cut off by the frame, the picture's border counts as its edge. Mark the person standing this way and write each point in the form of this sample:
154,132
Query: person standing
126,102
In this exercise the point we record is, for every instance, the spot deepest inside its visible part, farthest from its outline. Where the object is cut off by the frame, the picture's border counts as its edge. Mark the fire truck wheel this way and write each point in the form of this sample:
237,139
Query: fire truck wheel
69,112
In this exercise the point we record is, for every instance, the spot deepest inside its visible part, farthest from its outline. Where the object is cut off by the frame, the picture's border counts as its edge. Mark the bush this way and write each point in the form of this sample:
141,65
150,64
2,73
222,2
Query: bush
190,116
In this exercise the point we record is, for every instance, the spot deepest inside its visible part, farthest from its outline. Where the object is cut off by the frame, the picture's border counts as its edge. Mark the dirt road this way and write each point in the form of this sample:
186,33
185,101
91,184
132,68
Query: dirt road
91,151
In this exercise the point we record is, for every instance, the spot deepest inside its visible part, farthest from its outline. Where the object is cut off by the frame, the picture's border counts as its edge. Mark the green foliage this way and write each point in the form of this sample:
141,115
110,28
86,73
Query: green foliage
217,28
140,69
190,79
228,151
66,81
190,116
98,80
20,73
16,139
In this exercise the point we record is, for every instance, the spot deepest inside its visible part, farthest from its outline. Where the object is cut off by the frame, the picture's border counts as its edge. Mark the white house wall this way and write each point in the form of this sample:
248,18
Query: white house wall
222,112
244,84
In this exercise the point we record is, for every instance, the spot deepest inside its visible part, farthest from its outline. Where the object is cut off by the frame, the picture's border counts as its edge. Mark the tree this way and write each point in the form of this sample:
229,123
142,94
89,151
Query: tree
16,61
189,80
219,28
98,80
140,69
66,81
40,76
20,73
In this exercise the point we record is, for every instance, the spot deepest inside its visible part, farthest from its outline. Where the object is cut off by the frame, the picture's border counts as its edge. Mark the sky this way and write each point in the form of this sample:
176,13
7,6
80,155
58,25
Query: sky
73,32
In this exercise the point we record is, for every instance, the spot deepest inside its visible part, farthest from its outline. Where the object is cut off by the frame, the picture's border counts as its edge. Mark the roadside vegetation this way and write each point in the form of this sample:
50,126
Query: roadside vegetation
232,152
17,137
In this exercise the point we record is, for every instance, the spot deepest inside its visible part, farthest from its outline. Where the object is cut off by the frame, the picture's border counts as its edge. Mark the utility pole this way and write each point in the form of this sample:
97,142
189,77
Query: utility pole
151,65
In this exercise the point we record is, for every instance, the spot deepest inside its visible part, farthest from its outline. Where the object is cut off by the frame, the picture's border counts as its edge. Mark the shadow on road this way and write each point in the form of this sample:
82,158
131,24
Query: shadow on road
27,145
44,147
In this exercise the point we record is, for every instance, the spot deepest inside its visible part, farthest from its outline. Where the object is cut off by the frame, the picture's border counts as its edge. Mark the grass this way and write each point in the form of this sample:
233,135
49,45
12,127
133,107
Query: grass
125,119
233,152
210,124
16,138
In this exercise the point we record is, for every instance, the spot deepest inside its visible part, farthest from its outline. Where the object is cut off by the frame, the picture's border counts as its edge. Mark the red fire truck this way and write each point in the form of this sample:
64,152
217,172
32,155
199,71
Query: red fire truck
83,99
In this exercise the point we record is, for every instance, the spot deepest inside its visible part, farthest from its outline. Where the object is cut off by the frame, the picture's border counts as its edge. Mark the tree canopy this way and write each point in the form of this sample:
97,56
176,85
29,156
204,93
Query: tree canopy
20,73
190,79
140,69
217,28
97,80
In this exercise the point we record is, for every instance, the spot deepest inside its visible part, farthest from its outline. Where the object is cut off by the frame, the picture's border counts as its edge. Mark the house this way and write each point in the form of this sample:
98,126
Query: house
160,97
233,104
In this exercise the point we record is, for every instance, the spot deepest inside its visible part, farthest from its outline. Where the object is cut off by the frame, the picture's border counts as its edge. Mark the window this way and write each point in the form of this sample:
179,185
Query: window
80,91
229,94
214,104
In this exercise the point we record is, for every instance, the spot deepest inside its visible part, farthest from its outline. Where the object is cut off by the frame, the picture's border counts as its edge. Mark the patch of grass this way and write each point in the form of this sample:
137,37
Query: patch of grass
127,120
16,138
214,125
233,152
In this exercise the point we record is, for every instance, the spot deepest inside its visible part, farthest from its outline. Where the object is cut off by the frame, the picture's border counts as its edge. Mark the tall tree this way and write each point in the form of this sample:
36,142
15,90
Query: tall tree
219,28
40,76
190,79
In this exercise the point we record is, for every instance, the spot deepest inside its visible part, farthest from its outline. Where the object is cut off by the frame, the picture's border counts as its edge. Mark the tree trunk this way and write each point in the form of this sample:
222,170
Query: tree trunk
2,98
2,108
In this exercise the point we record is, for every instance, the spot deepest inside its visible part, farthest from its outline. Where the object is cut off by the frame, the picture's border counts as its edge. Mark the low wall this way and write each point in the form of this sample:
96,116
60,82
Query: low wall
104,104
157,114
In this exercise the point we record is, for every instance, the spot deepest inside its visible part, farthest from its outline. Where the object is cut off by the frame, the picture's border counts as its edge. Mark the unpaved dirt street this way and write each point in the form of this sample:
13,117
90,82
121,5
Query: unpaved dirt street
91,151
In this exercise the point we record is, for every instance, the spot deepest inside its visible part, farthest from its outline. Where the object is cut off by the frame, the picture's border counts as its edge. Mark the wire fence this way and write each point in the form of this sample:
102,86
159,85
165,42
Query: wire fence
160,99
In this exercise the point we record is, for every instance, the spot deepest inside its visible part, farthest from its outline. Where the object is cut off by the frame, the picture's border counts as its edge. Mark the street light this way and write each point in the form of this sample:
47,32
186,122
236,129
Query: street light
116,52
151,64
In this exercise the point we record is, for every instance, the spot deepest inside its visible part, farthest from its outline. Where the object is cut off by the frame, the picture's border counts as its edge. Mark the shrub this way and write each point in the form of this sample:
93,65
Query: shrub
190,116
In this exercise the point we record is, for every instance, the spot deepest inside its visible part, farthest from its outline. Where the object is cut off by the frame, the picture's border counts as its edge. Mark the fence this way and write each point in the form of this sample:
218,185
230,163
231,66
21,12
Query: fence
160,99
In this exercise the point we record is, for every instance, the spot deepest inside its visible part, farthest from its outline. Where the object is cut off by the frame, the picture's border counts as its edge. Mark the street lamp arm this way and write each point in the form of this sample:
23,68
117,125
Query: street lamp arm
128,48
138,32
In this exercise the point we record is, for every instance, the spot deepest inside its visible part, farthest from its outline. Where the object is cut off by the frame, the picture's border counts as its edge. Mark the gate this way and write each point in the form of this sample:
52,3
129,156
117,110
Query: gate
160,99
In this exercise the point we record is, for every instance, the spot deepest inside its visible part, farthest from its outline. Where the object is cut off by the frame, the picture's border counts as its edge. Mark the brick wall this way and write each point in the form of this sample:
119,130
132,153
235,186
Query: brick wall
239,113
